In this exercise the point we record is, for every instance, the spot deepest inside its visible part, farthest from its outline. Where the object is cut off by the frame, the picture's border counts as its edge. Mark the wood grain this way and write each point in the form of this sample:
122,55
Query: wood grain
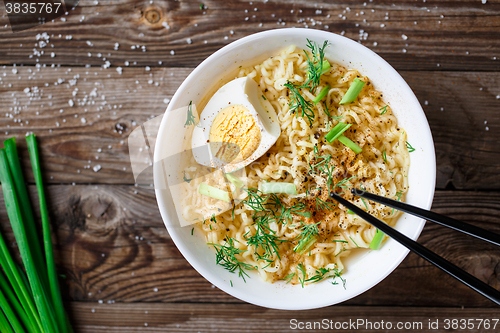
112,246
155,317
461,107
443,35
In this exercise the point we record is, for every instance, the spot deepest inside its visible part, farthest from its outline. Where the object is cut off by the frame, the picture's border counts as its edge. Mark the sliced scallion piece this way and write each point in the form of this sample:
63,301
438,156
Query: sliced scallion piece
325,67
321,94
235,180
377,240
353,91
354,147
213,192
277,187
337,131
304,246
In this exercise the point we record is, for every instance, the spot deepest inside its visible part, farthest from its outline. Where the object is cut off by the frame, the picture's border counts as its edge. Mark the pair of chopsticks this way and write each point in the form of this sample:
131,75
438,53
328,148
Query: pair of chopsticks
461,275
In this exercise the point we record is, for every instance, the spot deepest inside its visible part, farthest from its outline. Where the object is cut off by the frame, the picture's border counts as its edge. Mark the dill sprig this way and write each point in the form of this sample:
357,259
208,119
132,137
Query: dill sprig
190,117
343,182
265,243
324,205
320,275
255,200
299,103
314,65
226,257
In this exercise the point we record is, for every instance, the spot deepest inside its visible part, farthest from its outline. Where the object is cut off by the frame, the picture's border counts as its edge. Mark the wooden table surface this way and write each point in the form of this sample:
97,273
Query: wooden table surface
83,82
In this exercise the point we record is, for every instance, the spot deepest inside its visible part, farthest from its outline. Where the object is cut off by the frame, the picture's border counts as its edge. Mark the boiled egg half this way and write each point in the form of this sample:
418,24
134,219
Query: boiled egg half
237,126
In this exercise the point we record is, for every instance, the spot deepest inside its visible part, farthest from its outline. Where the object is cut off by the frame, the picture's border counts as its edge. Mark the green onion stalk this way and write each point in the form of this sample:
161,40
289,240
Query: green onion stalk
31,301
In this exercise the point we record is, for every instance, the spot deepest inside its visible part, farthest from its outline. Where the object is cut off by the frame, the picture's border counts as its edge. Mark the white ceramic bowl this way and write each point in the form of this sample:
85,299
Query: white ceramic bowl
363,271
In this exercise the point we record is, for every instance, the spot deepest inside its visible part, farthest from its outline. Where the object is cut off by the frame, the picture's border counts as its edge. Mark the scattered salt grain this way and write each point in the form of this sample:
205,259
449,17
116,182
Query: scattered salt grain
71,103
404,37
96,168
166,100
83,120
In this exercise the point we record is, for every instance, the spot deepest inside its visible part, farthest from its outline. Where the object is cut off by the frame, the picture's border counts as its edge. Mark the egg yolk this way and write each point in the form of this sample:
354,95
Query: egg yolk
234,135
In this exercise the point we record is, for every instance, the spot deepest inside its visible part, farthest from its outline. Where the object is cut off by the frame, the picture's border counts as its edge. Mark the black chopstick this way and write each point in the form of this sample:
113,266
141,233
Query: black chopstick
431,216
459,274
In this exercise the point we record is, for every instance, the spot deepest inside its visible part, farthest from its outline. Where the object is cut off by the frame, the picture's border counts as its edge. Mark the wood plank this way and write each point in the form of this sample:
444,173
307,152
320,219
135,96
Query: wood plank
157,317
108,105
444,35
112,246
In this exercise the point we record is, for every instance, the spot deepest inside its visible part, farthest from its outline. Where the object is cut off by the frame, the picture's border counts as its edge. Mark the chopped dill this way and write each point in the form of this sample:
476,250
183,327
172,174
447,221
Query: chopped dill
302,269
410,148
264,97
192,230
354,242
384,156
338,274
383,109
398,198
190,117
289,277
187,180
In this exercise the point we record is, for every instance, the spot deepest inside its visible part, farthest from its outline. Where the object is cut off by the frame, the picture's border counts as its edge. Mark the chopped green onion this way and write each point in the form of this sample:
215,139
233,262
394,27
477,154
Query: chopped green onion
353,91
213,192
325,67
354,147
337,131
322,94
276,187
383,109
235,180
377,240
303,247
350,212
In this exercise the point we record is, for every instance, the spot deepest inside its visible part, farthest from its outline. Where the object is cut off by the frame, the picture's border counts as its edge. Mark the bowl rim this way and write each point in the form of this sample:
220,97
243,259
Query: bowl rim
235,292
